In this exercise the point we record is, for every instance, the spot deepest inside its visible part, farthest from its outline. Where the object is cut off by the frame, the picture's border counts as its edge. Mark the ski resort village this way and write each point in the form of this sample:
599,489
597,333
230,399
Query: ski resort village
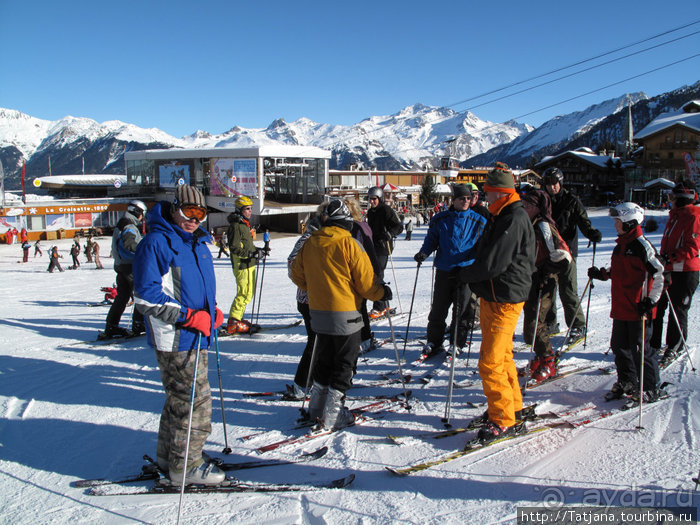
416,317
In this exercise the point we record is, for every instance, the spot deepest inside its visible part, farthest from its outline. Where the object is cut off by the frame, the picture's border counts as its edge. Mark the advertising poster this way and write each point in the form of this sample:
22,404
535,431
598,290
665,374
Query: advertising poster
56,222
82,220
170,174
231,177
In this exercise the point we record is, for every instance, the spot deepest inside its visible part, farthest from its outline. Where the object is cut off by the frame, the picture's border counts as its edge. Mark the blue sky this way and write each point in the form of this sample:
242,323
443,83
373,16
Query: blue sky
212,65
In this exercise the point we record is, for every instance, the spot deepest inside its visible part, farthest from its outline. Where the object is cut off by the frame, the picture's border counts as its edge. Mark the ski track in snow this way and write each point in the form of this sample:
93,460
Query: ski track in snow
72,409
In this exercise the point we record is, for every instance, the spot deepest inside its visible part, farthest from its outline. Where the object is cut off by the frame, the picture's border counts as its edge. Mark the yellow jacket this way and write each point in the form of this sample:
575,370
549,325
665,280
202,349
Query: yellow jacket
337,274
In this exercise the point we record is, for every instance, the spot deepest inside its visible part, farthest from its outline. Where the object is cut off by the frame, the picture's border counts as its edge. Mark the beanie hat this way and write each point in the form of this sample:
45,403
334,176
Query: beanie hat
189,195
685,190
336,213
460,190
541,200
500,179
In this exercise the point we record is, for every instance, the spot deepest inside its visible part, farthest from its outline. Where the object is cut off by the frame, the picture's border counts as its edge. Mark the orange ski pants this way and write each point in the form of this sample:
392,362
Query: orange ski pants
496,366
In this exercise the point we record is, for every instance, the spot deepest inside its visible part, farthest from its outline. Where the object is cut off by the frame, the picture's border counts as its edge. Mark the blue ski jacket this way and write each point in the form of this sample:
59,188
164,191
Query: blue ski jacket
454,234
173,271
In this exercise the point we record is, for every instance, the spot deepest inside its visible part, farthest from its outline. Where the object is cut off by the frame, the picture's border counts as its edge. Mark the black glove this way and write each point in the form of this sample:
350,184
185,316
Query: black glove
388,296
598,273
595,236
420,257
266,251
259,253
667,280
645,306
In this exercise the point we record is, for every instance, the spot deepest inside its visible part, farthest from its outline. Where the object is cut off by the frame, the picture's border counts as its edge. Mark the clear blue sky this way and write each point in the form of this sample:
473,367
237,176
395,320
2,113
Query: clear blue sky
211,65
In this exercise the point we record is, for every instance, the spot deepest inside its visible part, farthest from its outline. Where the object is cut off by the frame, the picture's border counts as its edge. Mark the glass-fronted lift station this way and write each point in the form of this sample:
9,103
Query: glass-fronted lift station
286,183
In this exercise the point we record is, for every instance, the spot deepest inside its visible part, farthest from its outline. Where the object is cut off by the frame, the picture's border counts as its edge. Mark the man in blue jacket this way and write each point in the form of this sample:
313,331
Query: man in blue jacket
175,289
454,233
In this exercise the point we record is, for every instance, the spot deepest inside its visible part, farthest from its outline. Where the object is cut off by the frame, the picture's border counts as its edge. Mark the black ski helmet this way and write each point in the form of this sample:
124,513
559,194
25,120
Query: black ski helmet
553,175
376,191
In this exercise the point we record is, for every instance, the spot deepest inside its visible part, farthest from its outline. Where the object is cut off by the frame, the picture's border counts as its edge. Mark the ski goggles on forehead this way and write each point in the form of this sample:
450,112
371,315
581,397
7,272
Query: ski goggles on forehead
192,212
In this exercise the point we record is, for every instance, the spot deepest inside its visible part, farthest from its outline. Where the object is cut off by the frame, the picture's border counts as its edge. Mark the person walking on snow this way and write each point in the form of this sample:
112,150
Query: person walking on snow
552,258
502,277
75,253
454,235
244,257
637,279
95,247
385,226
54,262
125,239
175,290
25,251
680,249
569,216
337,273
37,248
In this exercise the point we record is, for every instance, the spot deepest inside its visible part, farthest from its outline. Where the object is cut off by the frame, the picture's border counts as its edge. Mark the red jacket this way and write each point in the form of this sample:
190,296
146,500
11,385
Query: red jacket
634,259
681,241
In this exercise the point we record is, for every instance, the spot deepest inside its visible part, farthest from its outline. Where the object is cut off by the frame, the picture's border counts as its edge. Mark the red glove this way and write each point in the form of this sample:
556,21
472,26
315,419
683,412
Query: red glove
199,320
218,318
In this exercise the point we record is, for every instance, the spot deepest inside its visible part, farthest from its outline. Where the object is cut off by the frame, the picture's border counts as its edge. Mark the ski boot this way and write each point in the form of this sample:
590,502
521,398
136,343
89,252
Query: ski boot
546,368
203,474
620,390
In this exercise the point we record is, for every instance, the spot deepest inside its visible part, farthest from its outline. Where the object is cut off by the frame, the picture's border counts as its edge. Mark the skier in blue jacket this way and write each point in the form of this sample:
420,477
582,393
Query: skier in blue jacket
454,234
175,289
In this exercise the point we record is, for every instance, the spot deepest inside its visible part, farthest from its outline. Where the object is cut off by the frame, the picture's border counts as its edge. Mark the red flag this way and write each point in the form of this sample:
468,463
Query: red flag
24,200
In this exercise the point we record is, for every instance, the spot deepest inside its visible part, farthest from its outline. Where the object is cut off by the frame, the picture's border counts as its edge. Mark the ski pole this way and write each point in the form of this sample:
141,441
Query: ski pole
307,388
471,329
641,360
680,332
588,306
227,449
450,386
534,335
410,310
398,360
398,295
578,305
262,279
189,424
255,290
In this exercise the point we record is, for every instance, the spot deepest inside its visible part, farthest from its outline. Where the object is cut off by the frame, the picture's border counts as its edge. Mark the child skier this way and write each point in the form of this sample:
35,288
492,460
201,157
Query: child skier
637,282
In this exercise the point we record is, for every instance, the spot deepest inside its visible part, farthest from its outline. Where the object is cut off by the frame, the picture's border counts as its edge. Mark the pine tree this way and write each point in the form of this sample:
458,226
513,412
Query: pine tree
427,192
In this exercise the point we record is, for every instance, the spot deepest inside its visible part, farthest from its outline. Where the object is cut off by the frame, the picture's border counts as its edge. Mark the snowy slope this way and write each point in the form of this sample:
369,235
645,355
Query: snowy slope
71,410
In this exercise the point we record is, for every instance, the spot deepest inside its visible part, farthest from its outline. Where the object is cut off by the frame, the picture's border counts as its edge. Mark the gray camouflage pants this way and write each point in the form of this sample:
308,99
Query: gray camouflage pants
176,372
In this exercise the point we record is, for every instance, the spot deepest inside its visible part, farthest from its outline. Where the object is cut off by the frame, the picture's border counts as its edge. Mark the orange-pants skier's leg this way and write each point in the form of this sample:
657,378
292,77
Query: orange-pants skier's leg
496,366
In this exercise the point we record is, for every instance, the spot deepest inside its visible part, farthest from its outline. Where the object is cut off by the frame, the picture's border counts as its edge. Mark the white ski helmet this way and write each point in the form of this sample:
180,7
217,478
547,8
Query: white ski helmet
629,213
137,207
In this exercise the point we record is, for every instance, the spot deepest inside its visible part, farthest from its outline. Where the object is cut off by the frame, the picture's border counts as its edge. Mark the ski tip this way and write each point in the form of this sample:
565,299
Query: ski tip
342,482
316,453
396,472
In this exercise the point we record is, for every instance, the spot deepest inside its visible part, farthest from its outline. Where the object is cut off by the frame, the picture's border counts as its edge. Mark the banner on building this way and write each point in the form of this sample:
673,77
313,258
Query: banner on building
231,177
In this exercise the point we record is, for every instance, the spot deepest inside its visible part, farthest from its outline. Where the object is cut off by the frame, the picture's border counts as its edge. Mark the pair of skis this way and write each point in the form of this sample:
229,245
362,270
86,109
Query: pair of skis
151,472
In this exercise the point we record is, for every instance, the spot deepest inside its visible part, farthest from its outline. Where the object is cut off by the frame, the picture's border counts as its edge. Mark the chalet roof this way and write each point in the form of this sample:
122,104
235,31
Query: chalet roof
668,120
584,154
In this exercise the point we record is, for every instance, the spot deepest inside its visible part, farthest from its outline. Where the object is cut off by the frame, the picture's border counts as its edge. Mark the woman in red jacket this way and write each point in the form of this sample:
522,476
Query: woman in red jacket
680,246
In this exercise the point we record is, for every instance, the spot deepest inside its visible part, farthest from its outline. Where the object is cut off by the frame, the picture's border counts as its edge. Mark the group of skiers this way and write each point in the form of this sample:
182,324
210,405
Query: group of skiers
511,254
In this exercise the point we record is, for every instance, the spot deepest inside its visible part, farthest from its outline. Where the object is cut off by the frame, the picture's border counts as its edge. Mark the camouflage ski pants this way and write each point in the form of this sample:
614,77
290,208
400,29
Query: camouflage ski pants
176,372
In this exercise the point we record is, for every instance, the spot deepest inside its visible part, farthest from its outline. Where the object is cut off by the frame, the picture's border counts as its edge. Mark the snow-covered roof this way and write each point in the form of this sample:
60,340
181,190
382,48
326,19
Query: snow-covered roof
82,180
667,120
659,182
586,155
274,150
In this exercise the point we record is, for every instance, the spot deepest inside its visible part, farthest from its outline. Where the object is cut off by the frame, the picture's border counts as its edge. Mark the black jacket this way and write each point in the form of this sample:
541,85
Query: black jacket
385,226
505,260
568,213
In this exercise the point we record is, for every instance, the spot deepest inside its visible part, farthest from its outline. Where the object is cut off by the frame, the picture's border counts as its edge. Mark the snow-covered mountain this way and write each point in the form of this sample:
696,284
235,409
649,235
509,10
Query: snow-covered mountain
415,137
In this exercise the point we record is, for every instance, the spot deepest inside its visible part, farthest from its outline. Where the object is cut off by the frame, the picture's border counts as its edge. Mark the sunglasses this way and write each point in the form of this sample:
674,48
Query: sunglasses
191,212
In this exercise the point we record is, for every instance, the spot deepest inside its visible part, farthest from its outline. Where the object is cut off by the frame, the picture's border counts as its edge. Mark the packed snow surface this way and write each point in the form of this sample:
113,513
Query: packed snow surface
73,410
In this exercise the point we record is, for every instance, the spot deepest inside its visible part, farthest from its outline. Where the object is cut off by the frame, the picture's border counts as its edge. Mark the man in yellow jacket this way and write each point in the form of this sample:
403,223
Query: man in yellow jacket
337,274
